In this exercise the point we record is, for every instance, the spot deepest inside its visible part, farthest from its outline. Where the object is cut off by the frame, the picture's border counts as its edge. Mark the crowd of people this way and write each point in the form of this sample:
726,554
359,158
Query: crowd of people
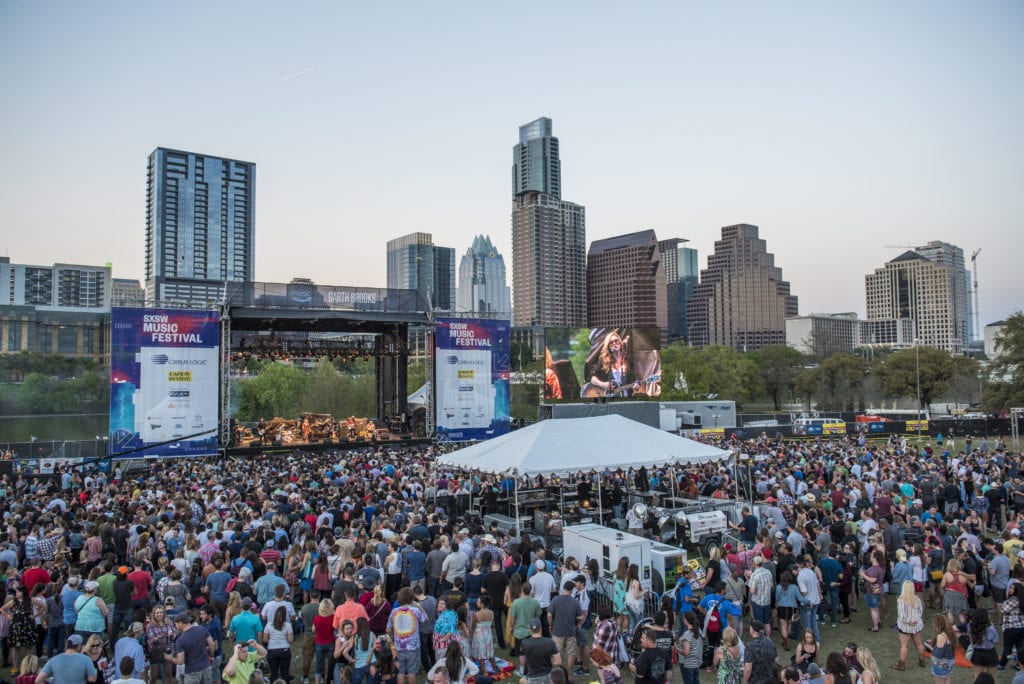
368,566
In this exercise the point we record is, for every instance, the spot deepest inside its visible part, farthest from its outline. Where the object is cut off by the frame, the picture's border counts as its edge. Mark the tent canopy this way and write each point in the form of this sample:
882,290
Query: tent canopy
420,397
561,446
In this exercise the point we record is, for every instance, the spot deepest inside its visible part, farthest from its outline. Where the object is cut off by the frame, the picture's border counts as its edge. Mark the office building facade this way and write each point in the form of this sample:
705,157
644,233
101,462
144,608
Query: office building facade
741,301
548,236
912,286
681,276
950,255
200,237
626,284
823,334
60,309
414,262
482,286
127,292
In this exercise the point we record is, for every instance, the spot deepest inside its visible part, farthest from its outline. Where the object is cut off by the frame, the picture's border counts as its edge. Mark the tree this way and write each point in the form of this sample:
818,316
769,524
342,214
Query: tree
1006,371
898,374
712,370
836,384
276,391
416,376
778,366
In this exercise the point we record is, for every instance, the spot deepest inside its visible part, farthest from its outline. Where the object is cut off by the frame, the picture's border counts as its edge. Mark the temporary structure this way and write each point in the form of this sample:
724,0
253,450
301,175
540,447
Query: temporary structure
562,446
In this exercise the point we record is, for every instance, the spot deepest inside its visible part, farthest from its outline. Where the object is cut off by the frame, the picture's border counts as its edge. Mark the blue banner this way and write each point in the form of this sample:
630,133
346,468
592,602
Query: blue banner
164,382
471,374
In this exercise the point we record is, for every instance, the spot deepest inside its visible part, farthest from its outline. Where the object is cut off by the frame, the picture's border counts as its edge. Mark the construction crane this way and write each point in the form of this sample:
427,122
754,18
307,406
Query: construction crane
974,275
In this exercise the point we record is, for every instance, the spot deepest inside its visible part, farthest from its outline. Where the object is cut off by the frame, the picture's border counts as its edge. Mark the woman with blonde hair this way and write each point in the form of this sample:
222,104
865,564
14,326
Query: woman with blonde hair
377,610
234,607
954,590
29,670
728,662
870,675
323,627
910,623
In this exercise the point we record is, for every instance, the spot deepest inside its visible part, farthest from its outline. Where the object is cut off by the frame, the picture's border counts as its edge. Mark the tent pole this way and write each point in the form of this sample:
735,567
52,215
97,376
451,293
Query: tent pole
600,500
515,491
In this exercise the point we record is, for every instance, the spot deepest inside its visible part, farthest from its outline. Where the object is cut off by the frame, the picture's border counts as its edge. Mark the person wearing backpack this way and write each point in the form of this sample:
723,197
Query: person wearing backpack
715,611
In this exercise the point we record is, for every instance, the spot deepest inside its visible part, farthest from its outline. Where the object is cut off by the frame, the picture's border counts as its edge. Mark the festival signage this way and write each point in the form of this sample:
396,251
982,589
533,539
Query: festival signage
471,372
164,382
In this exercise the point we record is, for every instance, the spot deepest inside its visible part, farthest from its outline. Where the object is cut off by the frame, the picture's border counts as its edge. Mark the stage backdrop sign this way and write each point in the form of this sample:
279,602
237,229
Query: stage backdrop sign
471,371
164,375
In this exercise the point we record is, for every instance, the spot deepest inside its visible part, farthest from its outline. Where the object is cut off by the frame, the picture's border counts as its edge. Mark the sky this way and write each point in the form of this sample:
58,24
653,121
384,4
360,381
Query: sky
846,131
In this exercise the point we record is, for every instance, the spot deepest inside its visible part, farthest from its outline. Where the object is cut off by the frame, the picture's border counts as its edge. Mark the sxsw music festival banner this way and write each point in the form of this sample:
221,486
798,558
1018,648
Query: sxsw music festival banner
164,382
471,375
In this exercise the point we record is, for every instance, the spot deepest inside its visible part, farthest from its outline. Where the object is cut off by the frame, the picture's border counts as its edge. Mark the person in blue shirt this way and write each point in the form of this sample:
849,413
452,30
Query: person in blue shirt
683,598
831,578
722,608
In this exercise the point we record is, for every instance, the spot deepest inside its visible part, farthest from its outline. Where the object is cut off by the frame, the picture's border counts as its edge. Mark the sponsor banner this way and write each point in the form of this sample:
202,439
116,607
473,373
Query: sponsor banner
471,372
164,382
917,426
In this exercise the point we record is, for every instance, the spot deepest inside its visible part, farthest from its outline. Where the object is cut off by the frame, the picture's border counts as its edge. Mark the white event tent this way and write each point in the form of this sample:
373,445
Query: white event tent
562,446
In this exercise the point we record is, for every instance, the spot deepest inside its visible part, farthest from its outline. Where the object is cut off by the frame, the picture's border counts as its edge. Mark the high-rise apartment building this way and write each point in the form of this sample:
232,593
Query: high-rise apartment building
200,234
60,286
416,263
482,287
741,300
912,286
548,236
59,309
681,271
953,256
626,283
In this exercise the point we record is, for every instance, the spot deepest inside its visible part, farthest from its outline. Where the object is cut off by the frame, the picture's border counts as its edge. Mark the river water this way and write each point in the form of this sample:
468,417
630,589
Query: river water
46,428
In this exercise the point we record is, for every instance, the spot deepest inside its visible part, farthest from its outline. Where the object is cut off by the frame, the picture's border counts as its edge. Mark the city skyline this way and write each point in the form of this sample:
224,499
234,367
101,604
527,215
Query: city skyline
838,132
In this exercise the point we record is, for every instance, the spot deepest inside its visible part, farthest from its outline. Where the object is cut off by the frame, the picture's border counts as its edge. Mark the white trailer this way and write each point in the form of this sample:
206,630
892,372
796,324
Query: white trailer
657,563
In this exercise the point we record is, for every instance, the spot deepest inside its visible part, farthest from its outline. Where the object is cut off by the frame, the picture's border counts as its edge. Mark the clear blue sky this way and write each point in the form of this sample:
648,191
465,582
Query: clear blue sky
836,129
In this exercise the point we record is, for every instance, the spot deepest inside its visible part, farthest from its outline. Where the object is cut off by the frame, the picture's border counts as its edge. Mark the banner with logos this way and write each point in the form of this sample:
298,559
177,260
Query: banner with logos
164,382
471,372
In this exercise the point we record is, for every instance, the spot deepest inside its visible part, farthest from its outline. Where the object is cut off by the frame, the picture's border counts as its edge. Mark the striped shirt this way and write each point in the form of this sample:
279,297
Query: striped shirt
760,585
909,617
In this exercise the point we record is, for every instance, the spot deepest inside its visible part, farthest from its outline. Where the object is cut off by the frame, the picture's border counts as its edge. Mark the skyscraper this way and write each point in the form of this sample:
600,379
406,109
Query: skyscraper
741,301
626,283
681,271
912,286
482,285
953,256
199,226
548,236
416,263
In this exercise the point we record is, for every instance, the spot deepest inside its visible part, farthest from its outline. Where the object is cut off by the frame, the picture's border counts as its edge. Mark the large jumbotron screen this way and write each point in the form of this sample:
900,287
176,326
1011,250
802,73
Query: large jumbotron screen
599,363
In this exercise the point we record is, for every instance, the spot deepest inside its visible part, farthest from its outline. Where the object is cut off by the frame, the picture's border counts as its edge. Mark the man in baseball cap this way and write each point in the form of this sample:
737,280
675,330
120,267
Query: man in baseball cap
540,652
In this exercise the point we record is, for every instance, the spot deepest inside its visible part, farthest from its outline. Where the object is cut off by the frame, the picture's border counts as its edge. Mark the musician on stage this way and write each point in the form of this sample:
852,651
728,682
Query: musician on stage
612,374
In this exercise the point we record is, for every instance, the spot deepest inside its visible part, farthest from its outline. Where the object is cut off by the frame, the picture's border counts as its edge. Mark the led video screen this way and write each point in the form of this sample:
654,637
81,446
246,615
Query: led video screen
601,363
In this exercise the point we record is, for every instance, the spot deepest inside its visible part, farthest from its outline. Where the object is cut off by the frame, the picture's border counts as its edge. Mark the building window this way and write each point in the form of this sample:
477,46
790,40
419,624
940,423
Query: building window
67,339
13,335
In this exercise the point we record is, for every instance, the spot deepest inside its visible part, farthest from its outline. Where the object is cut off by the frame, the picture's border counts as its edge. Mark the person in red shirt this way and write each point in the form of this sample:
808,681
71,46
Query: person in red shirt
36,574
143,582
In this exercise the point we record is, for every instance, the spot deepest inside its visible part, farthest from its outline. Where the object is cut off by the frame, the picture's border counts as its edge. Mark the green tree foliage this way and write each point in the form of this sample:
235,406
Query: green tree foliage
46,394
276,391
692,373
416,376
836,384
898,374
15,367
1006,372
778,367
525,399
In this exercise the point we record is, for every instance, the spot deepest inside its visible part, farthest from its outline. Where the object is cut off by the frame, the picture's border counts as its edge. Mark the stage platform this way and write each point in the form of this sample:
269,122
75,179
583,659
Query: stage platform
317,447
